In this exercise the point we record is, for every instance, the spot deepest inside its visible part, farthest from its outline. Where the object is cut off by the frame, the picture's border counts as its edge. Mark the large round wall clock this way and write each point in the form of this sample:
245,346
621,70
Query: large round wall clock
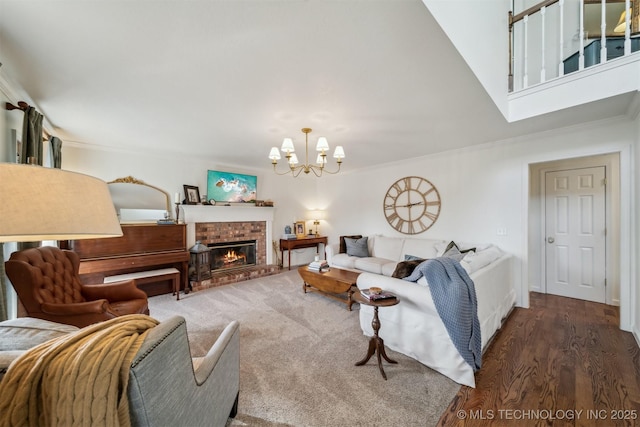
412,205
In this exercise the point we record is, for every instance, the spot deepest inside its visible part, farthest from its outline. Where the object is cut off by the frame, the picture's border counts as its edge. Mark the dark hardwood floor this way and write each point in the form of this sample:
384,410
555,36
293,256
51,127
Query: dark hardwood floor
562,362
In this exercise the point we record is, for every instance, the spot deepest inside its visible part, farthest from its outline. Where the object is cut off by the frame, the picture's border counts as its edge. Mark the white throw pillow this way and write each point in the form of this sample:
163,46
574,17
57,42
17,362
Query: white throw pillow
474,261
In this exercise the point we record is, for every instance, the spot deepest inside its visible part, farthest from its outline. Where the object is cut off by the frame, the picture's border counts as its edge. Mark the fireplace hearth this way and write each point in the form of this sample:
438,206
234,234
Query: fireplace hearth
226,256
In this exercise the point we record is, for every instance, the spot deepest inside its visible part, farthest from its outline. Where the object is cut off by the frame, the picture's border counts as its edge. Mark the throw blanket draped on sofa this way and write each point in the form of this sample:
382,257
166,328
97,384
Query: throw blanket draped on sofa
76,379
454,296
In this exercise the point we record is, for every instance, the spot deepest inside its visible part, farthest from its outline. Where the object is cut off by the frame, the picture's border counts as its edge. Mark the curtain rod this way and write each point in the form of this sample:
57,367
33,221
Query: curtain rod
21,106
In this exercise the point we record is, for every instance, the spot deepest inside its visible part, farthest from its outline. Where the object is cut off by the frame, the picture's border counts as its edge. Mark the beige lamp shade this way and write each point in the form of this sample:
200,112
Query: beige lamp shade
622,23
38,203
621,27
316,215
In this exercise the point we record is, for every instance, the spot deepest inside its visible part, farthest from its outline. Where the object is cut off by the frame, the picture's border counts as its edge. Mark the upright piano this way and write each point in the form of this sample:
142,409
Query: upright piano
143,247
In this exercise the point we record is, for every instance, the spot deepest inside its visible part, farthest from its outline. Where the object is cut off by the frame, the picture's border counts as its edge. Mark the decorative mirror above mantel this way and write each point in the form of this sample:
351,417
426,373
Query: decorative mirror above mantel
138,202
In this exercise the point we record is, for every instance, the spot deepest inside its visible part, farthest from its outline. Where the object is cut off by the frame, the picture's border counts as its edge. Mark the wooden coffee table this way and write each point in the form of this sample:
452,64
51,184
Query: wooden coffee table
334,283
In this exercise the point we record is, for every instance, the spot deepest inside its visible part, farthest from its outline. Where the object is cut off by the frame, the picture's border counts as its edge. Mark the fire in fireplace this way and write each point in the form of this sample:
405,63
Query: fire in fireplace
230,255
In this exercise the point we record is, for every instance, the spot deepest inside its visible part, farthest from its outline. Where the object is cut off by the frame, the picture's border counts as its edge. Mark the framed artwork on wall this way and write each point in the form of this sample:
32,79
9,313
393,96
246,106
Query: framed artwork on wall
299,228
191,194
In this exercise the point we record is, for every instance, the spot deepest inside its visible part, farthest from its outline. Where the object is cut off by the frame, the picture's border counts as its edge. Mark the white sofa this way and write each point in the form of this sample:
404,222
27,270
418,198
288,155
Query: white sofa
414,327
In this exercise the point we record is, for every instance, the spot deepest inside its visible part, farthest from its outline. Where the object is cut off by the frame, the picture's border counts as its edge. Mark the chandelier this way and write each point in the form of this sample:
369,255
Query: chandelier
294,168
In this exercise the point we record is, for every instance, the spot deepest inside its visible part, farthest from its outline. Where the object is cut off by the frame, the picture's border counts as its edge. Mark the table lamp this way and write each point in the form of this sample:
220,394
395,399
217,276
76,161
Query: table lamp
317,215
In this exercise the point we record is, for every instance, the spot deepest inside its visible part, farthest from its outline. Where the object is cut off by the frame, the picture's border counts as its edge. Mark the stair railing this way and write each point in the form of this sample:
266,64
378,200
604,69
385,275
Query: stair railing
548,28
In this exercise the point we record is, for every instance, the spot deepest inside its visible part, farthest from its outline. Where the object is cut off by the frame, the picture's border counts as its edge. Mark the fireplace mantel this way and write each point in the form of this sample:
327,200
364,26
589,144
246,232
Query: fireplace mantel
194,214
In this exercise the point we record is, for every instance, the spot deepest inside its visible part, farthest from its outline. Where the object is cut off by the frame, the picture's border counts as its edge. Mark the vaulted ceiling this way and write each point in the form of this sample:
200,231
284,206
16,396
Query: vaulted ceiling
226,80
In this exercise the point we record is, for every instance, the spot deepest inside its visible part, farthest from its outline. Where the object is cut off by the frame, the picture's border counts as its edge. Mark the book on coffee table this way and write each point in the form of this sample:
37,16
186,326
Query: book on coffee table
376,297
319,265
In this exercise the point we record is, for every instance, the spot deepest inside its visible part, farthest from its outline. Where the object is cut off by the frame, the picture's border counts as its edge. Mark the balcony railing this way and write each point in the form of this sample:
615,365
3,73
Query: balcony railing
558,37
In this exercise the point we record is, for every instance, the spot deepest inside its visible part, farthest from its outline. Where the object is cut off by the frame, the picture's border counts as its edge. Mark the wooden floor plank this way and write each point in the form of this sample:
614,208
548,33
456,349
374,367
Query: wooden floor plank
562,362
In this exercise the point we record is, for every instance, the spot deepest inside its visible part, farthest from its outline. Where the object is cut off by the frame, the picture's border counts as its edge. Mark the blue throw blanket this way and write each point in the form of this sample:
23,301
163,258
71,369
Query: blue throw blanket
454,295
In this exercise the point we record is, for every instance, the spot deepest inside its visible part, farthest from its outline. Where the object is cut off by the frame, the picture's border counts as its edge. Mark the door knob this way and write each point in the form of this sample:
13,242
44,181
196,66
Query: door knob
550,239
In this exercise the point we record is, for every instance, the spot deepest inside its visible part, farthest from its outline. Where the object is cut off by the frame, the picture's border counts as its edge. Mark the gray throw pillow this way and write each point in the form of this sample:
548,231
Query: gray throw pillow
454,253
343,245
357,247
453,244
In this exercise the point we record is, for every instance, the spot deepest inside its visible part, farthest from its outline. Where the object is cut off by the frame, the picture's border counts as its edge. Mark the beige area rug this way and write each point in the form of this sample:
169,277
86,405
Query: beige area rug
297,356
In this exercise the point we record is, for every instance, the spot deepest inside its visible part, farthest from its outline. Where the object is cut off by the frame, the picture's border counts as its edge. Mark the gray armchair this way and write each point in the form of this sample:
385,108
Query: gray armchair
165,387
166,390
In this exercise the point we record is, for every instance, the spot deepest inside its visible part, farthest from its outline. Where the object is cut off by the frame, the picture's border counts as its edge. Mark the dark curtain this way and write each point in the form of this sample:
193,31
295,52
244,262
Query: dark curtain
31,151
31,137
56,151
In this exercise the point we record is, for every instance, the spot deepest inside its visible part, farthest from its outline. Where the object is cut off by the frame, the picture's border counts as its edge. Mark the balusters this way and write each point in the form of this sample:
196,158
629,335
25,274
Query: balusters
543,75
603,32
581,54
560,40
525,78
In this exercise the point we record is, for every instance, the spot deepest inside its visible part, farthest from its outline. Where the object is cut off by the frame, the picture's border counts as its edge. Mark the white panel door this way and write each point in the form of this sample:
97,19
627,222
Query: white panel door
575,233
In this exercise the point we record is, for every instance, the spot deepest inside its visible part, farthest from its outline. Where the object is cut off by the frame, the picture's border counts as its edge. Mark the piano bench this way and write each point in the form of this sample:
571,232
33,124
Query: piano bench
151,276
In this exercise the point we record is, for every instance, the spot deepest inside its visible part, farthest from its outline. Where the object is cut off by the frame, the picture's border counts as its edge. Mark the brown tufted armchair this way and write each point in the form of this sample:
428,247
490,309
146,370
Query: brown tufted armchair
47,283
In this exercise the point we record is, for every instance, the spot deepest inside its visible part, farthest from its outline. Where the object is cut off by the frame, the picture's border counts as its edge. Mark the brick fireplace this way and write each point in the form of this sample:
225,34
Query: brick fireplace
230,224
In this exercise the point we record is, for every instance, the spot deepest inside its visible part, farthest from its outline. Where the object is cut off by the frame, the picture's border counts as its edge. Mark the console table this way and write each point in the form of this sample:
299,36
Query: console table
299,243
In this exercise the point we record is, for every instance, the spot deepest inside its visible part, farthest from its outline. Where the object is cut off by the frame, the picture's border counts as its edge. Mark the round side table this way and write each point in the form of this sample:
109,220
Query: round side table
376,344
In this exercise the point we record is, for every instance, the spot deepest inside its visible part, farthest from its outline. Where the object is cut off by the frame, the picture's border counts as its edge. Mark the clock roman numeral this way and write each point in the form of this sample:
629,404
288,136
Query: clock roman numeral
396,186
431,190
407,183
431,216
